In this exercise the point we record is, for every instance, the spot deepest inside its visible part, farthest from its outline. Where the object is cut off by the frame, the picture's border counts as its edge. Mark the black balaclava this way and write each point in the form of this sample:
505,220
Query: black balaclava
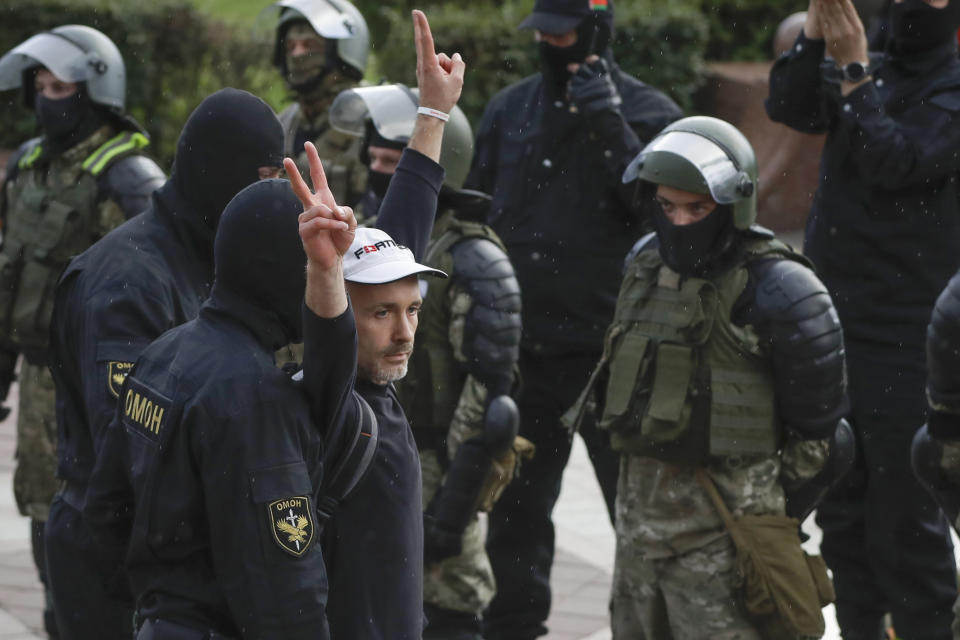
67,121
377,181
595,31
229,136
694,249
258,254
916,27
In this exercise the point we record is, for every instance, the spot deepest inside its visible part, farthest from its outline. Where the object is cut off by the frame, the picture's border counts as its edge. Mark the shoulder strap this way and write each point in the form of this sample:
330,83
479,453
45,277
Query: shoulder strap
120,146
458,230
353,463
30,154
720,506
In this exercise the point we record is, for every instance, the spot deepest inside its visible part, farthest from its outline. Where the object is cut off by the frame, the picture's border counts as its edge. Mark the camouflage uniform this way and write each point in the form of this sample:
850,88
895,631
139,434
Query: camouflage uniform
340,152
64,179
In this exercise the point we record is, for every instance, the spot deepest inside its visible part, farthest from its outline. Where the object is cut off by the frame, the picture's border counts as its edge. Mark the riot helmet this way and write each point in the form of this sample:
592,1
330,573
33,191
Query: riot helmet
73,53
391,112
341,26
705,155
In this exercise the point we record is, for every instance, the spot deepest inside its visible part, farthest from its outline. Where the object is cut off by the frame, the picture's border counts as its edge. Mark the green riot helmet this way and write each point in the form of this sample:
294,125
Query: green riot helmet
703,155
73,53
333,20
392,110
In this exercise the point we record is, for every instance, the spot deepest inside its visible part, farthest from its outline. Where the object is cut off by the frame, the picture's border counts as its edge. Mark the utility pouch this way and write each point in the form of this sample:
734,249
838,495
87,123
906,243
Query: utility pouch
782,589
503,470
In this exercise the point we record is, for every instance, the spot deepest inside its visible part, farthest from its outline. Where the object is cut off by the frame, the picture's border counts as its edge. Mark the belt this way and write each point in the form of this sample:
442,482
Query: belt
74,495
154,629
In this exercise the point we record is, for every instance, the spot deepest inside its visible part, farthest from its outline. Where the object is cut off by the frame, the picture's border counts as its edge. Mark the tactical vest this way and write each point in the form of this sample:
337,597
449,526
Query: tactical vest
431,390
682,381
46,225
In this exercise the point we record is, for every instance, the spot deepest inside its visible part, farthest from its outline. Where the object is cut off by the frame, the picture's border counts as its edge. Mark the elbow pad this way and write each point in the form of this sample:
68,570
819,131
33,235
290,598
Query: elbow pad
943,355
798,319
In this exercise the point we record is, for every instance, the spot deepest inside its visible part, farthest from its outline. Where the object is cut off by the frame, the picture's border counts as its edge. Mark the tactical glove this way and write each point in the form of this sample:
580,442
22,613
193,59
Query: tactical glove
439,542
592,90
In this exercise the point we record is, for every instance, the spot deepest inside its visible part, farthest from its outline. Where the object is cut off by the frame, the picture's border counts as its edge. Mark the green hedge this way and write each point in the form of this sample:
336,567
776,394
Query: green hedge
662,47
174,55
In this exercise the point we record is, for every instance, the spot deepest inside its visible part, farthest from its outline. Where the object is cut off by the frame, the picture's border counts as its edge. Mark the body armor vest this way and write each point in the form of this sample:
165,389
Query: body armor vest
53,216
683,381
431,390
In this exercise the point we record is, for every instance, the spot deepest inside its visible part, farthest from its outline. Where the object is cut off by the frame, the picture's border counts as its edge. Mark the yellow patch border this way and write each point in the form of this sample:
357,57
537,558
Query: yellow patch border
112,367
290,529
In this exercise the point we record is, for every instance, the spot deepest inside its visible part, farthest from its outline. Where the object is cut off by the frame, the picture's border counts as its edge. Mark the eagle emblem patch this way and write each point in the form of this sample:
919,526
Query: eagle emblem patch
291,521
116,374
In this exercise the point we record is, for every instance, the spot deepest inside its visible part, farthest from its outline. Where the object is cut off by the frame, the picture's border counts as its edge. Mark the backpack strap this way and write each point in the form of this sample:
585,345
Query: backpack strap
352,462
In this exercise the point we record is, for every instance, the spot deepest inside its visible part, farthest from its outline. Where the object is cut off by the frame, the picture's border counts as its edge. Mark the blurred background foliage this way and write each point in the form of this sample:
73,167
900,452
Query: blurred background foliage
178,51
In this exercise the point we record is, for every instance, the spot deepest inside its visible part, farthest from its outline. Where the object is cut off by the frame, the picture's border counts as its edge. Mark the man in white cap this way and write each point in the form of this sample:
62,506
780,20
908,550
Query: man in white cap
378,530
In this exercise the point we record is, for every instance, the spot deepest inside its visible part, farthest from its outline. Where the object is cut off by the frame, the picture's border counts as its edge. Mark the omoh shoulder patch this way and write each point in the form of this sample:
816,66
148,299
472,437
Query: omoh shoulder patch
292,524
116,373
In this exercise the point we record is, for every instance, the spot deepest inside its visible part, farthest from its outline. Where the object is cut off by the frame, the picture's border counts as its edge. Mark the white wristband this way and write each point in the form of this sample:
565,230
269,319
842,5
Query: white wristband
439,115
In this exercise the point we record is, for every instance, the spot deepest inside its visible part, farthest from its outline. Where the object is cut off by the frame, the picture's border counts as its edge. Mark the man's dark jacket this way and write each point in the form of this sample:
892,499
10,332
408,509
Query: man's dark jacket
559,205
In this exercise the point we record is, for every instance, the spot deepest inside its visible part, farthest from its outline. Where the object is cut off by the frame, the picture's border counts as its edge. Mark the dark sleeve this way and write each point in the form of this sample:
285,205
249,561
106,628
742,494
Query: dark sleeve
130,181
410,204
483,169
943,364
109,506
104,335
796,88
260,514
491,326
892,155
795,317
329,366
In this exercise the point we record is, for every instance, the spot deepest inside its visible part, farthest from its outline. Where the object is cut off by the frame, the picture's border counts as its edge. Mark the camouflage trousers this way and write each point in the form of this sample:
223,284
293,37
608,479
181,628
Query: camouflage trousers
34,480
684,597
465,582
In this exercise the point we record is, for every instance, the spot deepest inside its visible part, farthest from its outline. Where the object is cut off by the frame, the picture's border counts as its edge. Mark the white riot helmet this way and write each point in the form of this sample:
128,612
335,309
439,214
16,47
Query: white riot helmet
336,20
73,53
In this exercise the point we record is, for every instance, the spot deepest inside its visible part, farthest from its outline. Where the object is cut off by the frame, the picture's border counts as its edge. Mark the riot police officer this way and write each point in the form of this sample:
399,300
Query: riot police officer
724,362
551,150
321,48
83,176
146,277
222,452
456,392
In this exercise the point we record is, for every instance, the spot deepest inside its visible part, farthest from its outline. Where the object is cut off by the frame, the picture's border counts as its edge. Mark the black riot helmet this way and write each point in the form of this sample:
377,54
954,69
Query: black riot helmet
258,254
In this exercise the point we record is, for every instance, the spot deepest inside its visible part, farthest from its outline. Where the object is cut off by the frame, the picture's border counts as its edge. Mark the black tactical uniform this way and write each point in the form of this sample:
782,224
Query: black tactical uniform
884,233
560,209
148,276
221,452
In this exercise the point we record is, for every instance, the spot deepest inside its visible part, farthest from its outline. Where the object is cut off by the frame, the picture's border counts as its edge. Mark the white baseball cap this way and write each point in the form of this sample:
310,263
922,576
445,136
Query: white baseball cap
374,258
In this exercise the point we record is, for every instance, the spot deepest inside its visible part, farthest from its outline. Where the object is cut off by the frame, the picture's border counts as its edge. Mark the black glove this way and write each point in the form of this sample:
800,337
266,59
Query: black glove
592,90
438,542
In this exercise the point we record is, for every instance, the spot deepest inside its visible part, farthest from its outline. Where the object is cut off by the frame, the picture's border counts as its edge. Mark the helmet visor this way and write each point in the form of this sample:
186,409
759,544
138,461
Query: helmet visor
326,18
63,58
722,176
391,108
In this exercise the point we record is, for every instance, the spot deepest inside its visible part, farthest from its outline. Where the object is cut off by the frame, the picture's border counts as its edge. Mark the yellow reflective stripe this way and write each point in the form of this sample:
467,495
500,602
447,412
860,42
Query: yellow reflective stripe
28,160
99,159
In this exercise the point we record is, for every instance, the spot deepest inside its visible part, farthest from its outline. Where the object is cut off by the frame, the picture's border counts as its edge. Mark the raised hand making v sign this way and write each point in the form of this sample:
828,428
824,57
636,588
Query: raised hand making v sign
326,230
